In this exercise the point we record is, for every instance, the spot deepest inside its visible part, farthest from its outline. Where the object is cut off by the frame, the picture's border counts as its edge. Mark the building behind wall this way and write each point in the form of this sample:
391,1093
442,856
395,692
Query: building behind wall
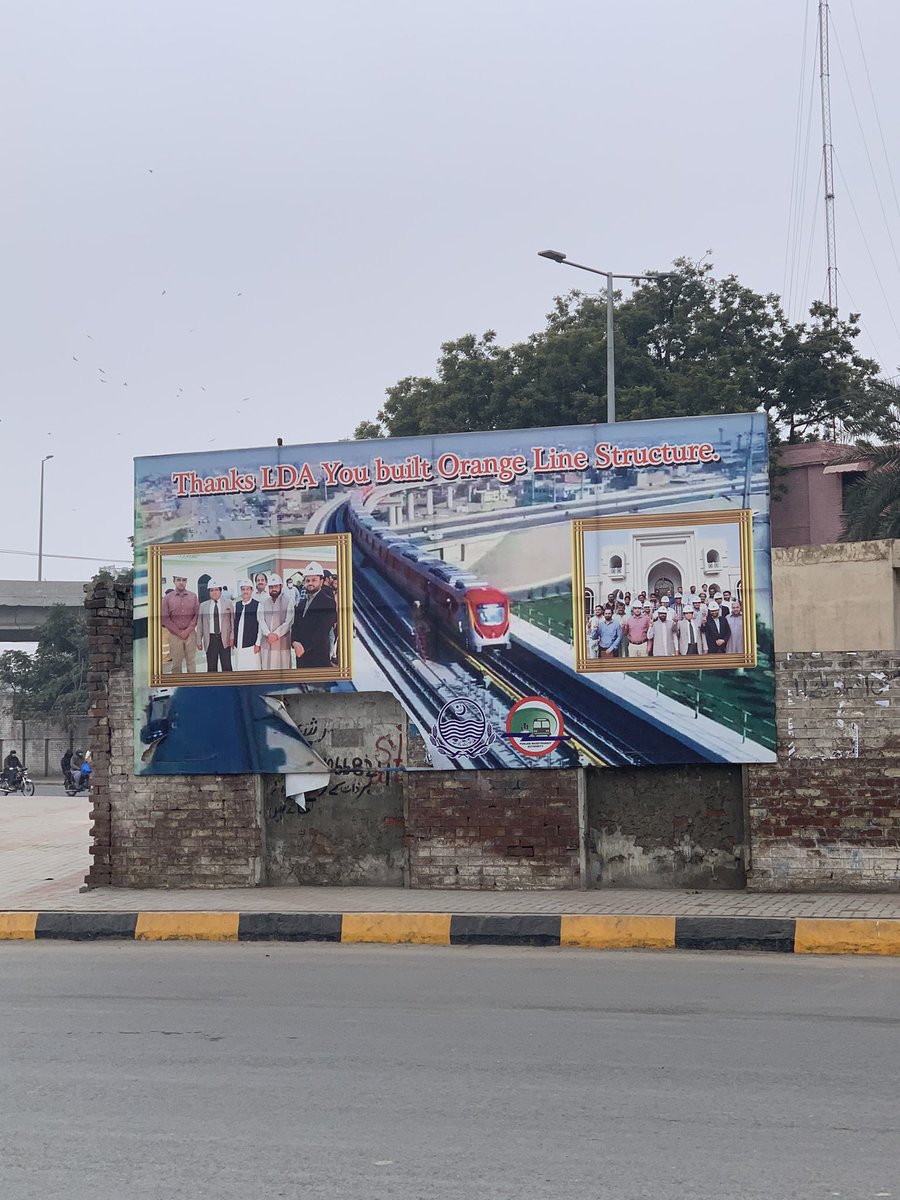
811,480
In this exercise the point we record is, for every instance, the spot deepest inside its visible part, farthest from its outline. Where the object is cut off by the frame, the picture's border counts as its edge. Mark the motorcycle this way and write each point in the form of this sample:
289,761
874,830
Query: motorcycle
18,783
77,784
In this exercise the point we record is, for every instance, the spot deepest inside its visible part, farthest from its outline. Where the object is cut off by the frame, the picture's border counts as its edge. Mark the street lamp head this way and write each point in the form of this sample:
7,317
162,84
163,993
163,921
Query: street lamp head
46,456
555,255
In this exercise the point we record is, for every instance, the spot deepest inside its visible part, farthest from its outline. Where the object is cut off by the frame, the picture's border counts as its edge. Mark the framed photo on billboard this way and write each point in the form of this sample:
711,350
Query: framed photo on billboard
250,611
671,563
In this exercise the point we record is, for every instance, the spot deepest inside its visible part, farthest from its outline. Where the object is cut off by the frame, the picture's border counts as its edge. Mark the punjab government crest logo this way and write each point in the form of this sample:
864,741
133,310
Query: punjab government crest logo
462,729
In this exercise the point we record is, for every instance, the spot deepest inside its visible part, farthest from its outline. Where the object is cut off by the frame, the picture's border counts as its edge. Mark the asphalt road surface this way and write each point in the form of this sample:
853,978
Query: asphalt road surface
261,1071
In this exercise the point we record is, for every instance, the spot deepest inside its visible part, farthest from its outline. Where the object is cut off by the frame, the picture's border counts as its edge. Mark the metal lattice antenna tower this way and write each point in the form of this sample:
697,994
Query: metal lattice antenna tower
827,154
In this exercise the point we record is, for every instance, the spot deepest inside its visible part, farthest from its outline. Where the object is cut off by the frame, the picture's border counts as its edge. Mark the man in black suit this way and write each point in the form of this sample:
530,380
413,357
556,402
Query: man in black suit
716,630
246,629
314,618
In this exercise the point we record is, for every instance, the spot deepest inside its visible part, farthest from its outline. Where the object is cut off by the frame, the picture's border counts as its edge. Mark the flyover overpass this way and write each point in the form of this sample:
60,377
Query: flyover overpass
25,605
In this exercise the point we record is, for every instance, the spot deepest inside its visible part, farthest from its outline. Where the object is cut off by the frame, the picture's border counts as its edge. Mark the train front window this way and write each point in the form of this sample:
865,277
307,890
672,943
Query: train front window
491,614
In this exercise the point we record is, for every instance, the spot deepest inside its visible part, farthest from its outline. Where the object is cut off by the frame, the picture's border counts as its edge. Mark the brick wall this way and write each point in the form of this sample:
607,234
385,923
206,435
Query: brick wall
492,829
162,831
668,827
826,816
353,831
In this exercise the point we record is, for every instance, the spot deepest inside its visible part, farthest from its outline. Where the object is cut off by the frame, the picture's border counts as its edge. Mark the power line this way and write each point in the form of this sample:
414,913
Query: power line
801,202
862,323
113,562
812,240
887,159
865,143
862,233
795,169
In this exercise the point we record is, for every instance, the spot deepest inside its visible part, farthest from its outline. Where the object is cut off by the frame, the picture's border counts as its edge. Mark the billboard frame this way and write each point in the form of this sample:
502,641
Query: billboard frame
272,546
742,517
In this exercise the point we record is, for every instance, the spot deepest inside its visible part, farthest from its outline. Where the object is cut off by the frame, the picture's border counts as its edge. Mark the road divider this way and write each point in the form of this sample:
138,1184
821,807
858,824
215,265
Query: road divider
785,935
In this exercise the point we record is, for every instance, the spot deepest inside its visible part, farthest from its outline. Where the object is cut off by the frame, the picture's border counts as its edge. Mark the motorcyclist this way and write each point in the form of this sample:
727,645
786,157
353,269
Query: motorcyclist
66,766
12,769
84,773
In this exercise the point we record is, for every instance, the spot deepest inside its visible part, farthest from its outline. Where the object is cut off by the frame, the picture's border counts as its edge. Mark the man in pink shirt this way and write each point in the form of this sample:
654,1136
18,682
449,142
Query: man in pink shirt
635,629
180,610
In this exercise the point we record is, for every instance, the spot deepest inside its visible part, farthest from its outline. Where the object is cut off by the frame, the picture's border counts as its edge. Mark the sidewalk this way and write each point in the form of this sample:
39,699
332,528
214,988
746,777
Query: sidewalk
43,847
43,859
63,895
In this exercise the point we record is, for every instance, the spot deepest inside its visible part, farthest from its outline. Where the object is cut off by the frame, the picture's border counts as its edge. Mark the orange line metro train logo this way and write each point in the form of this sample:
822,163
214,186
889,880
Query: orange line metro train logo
534,726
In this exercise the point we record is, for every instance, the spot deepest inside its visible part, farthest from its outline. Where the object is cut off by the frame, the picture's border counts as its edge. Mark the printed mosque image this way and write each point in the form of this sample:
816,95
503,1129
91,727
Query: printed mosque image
660,560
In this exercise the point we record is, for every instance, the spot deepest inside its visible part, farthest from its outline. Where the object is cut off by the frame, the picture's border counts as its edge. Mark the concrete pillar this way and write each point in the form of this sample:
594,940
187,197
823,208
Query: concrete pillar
429,502
410,506
393,515
451,496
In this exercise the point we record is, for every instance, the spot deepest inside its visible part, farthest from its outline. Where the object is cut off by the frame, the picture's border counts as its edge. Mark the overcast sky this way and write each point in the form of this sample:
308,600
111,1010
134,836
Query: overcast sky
260,215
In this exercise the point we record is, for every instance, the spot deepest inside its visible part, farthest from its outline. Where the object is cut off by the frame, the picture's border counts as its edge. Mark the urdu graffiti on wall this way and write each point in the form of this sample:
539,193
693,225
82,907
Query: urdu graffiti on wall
467,575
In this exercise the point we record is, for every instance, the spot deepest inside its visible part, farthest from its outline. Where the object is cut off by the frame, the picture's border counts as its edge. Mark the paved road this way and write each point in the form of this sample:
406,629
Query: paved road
236,1071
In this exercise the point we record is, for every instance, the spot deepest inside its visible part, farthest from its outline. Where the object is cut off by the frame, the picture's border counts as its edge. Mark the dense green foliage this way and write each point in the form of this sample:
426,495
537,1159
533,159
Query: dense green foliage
872,504
687,345
53,681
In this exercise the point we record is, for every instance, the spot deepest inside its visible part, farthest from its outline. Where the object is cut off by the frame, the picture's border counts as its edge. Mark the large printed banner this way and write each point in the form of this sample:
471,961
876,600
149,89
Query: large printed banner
587,595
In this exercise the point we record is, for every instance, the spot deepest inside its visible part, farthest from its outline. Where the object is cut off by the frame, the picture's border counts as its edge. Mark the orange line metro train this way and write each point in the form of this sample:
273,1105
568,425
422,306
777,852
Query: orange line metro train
472,612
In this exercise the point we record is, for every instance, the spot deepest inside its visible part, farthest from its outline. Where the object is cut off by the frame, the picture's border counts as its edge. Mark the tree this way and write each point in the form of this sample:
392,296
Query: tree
686,345
822,381
15,669
872,503
52,682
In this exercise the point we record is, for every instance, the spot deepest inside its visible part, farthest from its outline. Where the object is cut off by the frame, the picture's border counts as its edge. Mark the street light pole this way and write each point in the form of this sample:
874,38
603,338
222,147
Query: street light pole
41,523
559,257
610,354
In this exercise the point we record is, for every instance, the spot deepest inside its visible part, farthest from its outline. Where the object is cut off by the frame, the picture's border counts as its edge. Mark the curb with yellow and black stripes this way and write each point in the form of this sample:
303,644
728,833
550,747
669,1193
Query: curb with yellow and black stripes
786,935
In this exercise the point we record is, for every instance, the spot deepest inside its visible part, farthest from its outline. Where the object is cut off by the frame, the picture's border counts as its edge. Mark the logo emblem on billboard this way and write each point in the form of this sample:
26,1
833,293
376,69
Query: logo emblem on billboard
534,726
462,729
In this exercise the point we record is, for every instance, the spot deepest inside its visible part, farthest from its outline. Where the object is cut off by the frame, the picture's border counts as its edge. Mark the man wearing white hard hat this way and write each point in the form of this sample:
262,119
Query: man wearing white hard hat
689,640
716,629
314,619
662,634
635,629
180,613
274,636
246,629
215,629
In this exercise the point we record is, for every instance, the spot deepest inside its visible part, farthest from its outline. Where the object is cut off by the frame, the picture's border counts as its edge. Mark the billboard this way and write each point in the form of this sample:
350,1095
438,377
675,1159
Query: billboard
584,595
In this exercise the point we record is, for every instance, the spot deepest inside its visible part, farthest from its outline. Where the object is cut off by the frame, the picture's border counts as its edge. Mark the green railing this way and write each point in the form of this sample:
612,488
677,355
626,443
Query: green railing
727,697
553,614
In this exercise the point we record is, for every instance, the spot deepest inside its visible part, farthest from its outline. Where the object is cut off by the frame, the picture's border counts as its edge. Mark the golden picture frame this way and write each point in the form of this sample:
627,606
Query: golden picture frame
742,518
159,554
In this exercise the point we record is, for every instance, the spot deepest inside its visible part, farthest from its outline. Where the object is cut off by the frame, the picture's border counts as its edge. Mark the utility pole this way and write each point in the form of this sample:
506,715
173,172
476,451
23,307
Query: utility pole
827,154
557,256
40,563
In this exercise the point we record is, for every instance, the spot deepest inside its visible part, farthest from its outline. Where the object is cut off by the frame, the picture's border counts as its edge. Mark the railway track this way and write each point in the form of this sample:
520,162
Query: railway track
613,737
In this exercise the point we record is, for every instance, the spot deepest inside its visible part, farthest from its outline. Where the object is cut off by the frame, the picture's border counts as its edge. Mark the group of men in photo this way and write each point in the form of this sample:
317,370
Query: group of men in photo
273,626
703,621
